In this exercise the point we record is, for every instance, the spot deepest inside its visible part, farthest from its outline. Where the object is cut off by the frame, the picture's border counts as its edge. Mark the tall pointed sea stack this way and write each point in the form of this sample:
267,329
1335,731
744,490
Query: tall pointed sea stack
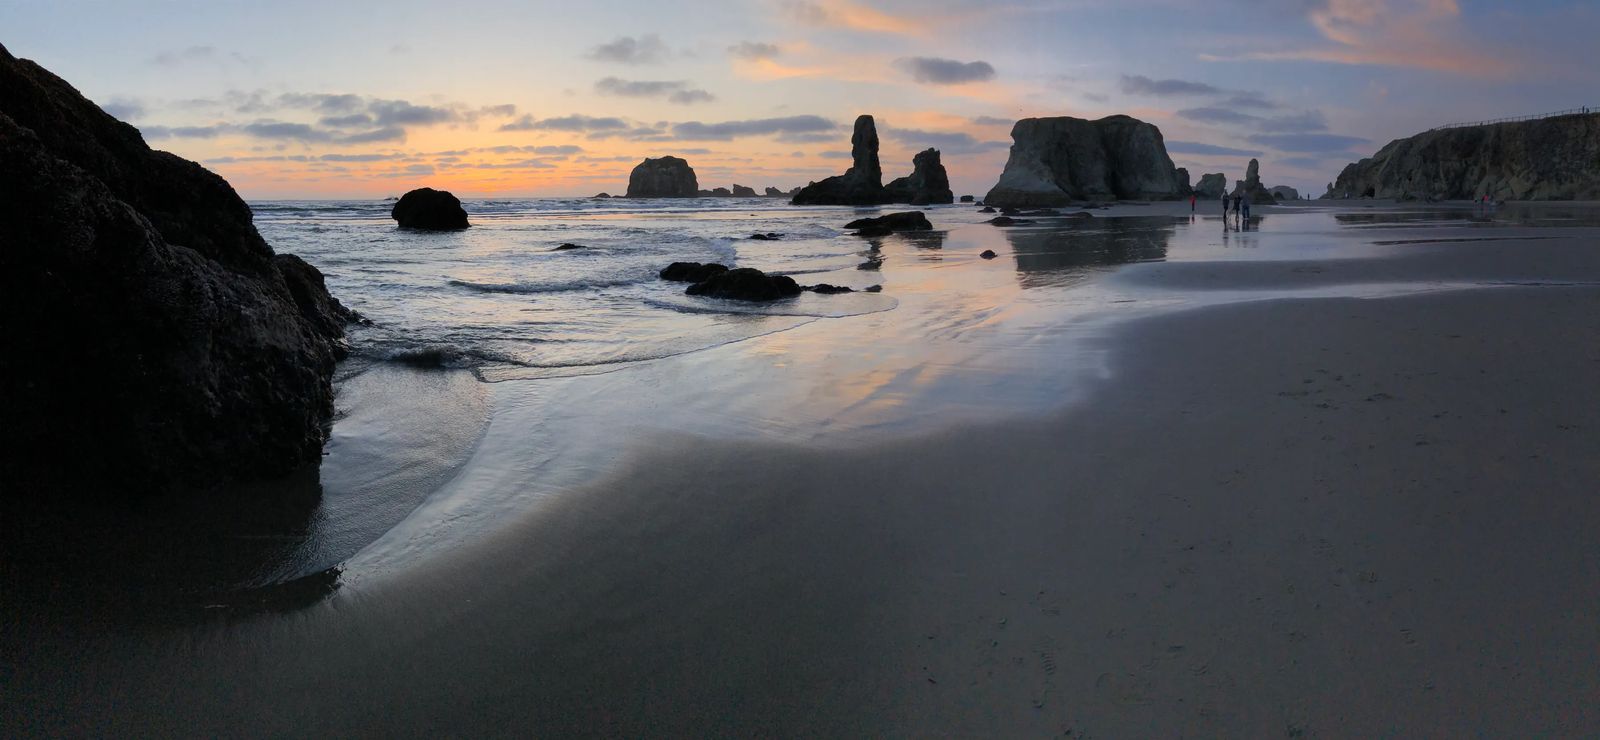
154,339
862,184
1251,187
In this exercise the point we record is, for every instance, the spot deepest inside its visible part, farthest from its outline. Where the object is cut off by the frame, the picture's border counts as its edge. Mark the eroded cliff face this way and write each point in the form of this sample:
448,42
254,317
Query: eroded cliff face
1055,161
663,177
1547,159
154,340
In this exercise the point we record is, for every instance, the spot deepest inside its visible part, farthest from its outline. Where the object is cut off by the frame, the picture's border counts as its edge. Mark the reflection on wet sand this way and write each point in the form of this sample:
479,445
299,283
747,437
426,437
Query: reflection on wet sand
929,241
1067,252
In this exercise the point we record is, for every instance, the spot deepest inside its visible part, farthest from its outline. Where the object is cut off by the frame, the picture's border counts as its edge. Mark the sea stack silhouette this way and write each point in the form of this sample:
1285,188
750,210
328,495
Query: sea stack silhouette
1055,161
862,184
150,325
663,177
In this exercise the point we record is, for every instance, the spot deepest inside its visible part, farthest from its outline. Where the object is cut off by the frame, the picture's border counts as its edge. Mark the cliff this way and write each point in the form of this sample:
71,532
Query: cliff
1547,159
155,340
1055,161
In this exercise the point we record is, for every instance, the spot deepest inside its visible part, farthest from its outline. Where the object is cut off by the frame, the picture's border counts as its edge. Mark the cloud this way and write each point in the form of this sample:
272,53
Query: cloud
992,121
180,132
948,142
503,110
574,123
1420,34
124,109
1197,148
1141,85
646,49
1308,163
359,157
843,14
402,113
753,50
1301,143
350,121
937,71
1249,100
789,126
676,91
1305,121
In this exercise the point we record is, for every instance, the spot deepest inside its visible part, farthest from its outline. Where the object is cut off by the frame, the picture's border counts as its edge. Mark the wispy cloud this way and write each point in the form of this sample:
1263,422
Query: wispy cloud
788,126
1200,149
938,71
852,16
1141,85
675,91
754,50
1307,143
646,49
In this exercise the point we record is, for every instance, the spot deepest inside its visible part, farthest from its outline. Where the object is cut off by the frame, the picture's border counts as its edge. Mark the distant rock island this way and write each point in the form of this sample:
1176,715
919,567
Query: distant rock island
862,184
429,210
1251,188
155,341
1212,185
1055,161
1555,158
664,177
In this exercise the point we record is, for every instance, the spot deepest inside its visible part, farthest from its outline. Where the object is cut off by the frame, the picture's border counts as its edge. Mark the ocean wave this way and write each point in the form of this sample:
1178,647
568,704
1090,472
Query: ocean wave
565,286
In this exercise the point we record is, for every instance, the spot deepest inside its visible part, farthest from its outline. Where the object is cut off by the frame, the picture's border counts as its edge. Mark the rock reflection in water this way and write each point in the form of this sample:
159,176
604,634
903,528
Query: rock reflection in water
1066,253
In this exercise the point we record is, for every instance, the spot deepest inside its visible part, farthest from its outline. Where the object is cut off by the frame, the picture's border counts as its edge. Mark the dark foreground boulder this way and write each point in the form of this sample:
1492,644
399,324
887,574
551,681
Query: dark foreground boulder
746,284
691,272
888,224
154,341
429,210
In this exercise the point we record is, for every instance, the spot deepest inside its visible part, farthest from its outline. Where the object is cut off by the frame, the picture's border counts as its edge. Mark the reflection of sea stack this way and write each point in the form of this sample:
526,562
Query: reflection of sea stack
664,177
1055,161
156,341
862,184
1555,158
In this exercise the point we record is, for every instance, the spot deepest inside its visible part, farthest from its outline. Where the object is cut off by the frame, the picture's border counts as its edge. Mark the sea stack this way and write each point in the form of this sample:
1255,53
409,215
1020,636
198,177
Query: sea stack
154,338
1250,187
1555,158
1055,161
927,184
743,191
862,184
429,210
1213,185
663,177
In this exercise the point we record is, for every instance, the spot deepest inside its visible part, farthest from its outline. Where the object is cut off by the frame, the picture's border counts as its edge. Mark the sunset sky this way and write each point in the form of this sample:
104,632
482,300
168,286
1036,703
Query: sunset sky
354,99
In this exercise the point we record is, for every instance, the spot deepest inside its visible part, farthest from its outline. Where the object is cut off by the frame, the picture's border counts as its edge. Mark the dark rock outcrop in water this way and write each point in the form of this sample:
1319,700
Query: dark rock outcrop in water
746,284
1250,187
1055,161
927,184
664,177
741,191
155,341
1547,159
1212,185
1284,192
862,184
773,192
890,223
429,210
691,272
1183,182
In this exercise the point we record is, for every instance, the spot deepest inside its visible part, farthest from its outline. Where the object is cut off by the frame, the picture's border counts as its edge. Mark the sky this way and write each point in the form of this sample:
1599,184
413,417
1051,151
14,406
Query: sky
333,99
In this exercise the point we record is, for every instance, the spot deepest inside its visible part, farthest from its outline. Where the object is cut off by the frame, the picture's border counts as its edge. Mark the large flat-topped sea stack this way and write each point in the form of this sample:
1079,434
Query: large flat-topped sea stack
1555,158
149,325
1055,161
663,177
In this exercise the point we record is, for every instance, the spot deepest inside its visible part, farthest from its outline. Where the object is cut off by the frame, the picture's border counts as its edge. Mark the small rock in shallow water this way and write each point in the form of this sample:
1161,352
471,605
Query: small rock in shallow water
691,272
827,289
1007,221
872,289
903,221
568,245
767,237
988,254
746,284
986,209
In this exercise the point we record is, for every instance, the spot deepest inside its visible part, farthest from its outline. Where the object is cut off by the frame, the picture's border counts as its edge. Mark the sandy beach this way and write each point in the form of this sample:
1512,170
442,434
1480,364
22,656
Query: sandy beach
1298,507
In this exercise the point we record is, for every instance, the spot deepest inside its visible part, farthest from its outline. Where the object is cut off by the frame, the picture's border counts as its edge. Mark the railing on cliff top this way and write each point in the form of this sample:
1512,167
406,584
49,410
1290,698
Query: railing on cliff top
1514,119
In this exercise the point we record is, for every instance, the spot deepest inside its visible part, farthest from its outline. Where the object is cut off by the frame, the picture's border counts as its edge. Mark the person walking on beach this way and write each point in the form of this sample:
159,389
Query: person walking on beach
1192,200
1244,210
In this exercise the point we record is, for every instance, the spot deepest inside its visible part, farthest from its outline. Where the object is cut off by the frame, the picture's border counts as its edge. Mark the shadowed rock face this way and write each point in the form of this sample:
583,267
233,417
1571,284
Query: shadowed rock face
862,184
927,184
1212,185
1548,159
1250,187
1055,161
430,210
155,340
664,177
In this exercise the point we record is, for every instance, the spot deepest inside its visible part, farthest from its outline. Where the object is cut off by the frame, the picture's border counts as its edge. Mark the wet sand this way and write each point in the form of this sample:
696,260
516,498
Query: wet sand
1289,516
